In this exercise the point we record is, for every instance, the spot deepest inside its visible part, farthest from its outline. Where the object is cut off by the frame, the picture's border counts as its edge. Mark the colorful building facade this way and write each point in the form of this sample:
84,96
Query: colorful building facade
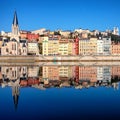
115,48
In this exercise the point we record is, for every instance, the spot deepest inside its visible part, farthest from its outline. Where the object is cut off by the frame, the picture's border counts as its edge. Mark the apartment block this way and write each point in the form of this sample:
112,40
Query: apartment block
115,48
88,46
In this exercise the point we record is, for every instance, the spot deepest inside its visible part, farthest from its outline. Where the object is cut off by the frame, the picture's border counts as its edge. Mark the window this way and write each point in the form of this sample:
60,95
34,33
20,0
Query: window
7,50
13,46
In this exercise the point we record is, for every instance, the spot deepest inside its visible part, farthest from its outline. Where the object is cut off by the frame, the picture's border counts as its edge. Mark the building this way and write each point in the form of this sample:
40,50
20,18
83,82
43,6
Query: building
88,46
76,46
104,46
63,47
65,34
9,47
13,45
40,31
50,45
115,48
32,37
33,48
107,46
23,34
71,47
44,45
15,28
53,43
100,45
115,31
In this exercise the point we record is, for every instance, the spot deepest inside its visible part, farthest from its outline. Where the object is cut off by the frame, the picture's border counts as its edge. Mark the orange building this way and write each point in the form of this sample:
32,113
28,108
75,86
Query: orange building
23,34
28,35
115,48
32,36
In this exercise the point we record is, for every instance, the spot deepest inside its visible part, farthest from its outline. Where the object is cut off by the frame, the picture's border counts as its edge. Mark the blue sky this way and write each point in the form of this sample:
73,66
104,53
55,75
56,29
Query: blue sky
62,14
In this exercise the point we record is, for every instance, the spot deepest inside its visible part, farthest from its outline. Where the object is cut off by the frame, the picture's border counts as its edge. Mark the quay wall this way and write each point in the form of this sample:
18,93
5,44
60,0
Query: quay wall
40,58
58,60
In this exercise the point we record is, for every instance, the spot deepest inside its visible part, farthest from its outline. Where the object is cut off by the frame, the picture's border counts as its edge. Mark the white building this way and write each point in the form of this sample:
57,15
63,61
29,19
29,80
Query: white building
106,46
44,45
115,31
40,31
13,45
100,46
33,48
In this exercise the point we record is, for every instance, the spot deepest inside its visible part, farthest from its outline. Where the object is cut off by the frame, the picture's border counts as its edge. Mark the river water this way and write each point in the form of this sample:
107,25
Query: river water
59,92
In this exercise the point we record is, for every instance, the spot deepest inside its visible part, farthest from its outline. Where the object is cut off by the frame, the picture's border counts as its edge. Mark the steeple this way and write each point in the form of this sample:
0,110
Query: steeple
15,27
15,93
15,19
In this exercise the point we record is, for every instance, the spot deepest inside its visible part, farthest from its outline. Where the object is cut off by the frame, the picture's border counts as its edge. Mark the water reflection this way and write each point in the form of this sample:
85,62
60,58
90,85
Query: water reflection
59,76
44,77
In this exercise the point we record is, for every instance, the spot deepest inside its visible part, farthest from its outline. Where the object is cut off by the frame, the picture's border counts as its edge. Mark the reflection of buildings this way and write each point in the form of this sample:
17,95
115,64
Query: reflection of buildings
88,74
13,73
115,74
104,74
17,77
58,76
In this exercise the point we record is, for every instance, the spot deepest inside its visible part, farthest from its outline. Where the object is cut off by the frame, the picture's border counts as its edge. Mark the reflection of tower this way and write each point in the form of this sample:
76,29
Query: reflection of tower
15,93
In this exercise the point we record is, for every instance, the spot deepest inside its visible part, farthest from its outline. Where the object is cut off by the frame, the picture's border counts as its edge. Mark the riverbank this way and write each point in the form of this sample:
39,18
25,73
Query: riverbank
40,58
60,60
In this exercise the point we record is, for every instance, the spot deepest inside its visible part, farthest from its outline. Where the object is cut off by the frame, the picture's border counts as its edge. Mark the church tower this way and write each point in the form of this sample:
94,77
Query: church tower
15,27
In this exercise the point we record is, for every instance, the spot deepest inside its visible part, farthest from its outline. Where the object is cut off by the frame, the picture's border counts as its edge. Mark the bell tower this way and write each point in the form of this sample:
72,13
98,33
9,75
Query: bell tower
15,27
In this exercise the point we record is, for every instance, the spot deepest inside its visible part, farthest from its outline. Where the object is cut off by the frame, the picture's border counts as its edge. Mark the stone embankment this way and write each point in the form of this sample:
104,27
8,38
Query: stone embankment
60,60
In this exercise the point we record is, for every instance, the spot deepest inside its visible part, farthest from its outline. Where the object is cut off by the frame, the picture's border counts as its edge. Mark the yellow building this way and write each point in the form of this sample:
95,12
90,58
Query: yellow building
88,46
44,45
70,47
63,47
50,45
53,44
